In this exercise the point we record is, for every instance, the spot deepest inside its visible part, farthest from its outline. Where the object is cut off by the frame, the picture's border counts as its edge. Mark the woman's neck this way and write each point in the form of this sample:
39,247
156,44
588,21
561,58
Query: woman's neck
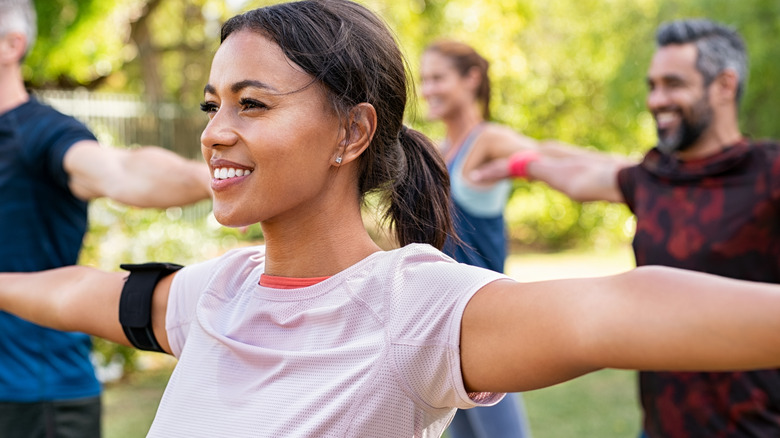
322,245
458,128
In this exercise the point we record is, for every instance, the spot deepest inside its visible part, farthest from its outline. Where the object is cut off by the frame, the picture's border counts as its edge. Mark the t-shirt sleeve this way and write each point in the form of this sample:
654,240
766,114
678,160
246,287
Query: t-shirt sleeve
773,158
186,289
429,297
56,133
627,183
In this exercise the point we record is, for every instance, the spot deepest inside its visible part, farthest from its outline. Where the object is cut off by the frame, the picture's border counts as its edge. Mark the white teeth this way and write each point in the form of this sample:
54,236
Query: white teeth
664,118
230,172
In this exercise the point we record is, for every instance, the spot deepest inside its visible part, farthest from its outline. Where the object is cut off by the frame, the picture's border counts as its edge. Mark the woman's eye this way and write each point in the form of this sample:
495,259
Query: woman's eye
208,107
247,104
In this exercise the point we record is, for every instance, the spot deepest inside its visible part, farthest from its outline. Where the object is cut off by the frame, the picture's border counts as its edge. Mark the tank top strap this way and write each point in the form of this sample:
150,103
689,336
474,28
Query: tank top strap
465,146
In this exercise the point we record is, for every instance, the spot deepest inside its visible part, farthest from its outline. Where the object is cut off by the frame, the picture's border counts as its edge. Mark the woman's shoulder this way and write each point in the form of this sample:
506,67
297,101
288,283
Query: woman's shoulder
397,264
424,263
492,131
499,140
416,252
243,259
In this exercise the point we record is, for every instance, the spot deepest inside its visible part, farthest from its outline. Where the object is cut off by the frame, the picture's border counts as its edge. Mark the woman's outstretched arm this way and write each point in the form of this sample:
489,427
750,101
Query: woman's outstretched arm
78,298
523,336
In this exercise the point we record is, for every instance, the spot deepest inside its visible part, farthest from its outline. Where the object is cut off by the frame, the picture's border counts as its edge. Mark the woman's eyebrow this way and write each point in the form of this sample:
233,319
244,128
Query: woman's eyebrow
238,86
249,83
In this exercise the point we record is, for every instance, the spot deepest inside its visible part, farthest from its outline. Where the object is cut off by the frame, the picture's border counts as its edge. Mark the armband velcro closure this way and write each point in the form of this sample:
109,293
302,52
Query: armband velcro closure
135,303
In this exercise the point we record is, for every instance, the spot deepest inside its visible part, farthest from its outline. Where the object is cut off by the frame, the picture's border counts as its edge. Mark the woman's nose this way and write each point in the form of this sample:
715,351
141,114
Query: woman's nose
220,131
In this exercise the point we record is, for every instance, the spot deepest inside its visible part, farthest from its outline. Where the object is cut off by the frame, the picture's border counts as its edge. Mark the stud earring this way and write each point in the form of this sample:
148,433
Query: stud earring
338,160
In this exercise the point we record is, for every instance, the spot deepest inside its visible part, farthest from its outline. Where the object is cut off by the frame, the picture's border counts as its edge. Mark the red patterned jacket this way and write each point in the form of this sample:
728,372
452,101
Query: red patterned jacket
719,215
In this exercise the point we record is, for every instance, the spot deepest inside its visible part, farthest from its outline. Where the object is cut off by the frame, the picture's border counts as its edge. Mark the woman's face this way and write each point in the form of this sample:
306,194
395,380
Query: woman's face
444,89
271,136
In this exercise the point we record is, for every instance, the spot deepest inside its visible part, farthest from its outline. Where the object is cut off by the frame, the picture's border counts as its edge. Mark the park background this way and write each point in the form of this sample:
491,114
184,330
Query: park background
572,70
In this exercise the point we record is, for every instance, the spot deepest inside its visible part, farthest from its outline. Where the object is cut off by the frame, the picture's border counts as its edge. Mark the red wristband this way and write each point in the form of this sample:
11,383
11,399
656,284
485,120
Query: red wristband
518,162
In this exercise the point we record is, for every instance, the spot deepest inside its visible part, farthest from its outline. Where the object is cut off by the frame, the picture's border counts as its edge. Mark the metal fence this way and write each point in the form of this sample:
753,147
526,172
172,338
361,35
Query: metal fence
126,120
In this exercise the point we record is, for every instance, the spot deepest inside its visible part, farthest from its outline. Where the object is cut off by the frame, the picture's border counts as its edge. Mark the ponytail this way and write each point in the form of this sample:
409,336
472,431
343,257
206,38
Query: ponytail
419,199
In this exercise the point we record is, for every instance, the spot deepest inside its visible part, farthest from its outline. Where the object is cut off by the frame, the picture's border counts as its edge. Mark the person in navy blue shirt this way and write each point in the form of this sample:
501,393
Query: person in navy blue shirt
50,166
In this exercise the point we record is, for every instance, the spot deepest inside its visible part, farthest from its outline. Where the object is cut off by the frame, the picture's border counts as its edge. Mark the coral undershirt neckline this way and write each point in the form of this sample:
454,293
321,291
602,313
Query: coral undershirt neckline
275,282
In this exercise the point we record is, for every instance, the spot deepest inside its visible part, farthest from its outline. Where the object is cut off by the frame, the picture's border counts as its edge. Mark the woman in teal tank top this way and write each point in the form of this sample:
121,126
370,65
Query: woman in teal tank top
456,87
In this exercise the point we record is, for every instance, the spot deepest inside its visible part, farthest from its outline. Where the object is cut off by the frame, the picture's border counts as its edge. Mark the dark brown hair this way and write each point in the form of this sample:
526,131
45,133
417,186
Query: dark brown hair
353,55
464,58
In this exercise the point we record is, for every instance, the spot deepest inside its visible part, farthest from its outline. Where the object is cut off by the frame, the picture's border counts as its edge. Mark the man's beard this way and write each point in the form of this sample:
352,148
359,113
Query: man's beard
691,128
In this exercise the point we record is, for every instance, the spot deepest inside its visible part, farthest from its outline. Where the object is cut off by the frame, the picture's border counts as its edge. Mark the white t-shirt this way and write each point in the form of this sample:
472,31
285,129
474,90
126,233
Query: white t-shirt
371,352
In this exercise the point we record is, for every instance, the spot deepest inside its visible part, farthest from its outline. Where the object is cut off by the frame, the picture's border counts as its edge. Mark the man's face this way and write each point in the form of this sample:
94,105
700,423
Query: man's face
678,98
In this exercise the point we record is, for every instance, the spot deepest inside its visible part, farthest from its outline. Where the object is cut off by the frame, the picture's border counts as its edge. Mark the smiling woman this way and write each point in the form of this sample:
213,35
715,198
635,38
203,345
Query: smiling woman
270,128
319,333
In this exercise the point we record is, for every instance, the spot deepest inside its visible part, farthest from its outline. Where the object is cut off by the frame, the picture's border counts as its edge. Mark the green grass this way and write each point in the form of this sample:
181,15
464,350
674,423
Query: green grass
129,405
603,404
599,405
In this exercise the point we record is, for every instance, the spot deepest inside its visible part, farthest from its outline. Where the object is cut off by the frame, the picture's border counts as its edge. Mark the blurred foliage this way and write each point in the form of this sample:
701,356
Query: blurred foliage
159,48
573,70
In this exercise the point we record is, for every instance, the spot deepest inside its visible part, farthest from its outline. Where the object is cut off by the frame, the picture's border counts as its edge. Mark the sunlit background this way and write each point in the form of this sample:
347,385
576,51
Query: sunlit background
572,70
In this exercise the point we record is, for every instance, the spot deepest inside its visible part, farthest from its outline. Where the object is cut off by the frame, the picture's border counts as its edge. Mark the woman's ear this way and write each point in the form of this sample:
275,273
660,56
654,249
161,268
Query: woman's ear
473,78
359,130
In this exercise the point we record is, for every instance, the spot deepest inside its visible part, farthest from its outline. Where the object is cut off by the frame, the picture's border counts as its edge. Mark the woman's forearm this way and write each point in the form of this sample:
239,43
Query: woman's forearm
659,318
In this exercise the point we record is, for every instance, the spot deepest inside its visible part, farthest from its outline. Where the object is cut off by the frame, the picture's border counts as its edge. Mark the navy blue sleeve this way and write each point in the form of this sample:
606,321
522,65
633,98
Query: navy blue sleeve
53,133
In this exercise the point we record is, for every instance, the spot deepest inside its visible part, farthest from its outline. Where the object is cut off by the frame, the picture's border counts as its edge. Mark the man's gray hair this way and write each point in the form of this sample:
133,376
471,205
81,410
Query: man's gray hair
18,16
719,48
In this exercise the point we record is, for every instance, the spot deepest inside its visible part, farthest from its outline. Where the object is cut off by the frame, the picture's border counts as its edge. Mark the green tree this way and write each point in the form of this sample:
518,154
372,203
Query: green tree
575,70
156,48
570,69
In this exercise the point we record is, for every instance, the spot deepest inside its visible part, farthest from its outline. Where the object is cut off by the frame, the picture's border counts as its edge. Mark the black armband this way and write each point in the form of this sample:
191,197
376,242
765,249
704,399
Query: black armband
135,303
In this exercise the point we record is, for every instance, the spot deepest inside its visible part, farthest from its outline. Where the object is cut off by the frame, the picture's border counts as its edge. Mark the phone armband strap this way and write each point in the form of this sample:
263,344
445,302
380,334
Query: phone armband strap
135,303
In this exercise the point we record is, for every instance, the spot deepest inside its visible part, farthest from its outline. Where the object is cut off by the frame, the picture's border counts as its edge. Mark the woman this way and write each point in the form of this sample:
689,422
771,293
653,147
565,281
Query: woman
456,85
320,333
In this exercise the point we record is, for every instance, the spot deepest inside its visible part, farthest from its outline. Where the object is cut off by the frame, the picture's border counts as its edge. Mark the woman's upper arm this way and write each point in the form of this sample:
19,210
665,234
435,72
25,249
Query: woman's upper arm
538,334
519,336
71,298
502,141
109,326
